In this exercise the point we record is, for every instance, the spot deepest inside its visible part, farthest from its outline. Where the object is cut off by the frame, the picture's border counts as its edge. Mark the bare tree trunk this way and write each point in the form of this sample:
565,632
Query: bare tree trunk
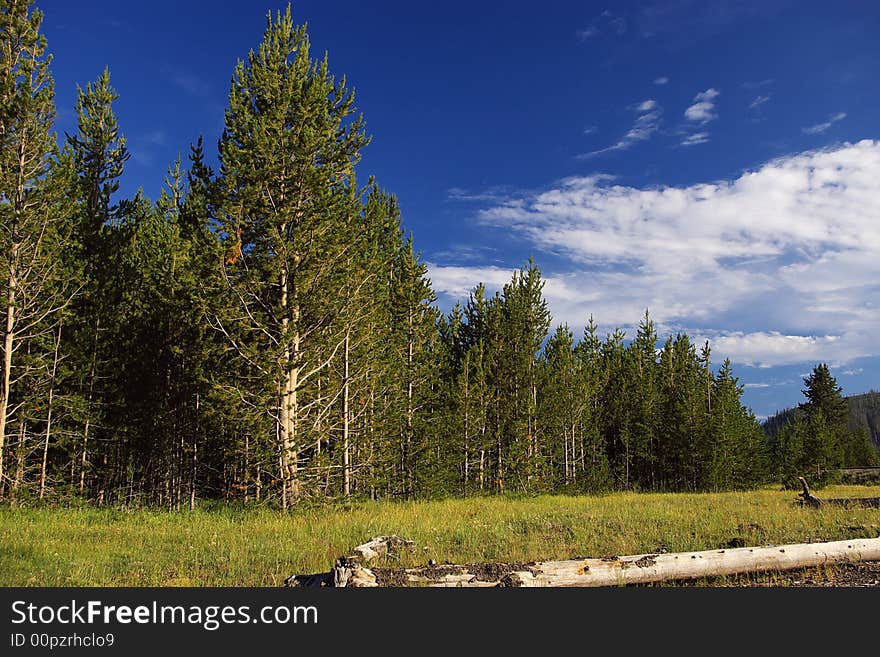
19,461
346,456
467,402
195,460
85,444
8,342
49,414
565,449
409,407
289,382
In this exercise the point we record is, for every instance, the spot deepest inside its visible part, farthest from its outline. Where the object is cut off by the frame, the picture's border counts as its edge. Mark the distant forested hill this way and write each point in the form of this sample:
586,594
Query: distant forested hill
864,411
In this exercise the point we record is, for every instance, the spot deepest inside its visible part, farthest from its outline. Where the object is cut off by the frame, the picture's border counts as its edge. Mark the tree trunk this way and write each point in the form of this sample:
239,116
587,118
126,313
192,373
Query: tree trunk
408,474
19,461
92,373
467,403
49,414
289,382
346,456
8,343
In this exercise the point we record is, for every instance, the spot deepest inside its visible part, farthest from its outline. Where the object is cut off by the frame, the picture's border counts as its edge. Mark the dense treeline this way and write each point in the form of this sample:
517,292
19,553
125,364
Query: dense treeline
863,414
267,333
823,434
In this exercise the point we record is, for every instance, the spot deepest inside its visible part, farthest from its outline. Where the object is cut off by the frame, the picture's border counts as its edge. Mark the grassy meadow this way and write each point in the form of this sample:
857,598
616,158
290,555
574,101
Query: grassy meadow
259,547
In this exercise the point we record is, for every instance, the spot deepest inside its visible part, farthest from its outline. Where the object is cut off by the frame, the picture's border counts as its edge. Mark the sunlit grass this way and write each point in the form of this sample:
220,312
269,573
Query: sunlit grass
229,547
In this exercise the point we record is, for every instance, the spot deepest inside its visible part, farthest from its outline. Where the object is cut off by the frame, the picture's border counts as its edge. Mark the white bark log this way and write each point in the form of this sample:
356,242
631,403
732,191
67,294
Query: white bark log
647,568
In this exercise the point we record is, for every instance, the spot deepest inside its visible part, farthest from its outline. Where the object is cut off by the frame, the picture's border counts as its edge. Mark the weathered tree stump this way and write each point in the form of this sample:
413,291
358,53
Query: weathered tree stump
349,571
807,498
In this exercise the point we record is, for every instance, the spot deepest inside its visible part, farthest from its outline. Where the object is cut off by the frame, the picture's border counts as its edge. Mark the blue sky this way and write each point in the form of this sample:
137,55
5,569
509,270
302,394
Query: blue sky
717,162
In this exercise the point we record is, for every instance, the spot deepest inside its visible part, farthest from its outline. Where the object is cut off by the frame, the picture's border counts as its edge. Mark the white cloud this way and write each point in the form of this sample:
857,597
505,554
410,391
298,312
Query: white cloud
696,138
766,349
646,124
778,266
661,80
457,282
768,384
587,33
822,127
703,109
760,100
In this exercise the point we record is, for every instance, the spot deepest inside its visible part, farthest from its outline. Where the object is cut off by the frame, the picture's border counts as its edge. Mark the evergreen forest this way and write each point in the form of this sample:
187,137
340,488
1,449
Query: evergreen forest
265,331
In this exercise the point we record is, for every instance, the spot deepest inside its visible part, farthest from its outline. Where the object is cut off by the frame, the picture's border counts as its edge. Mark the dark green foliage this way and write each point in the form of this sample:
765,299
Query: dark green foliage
864,413
822,435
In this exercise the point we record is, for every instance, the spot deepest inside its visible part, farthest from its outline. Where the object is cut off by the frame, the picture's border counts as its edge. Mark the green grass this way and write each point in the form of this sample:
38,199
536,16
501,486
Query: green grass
106,547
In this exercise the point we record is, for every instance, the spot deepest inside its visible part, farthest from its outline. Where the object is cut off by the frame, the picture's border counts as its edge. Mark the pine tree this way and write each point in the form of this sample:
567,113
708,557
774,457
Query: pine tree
414,331
827,420
32,221
523,323
735,445
99,153
562,406
823,394
287,156
593,469
644,395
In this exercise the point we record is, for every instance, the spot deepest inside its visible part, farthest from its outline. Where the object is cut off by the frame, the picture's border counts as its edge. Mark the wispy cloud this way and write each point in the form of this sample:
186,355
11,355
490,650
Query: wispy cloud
605,23
590,129
698,114
695,139
461,253
703,109
661,80
819,128
760,100
645,125
587,33
767,384
778,266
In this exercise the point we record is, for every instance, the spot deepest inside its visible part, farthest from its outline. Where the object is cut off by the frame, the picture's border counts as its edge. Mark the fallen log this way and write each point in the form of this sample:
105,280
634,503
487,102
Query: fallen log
606,571
648,568
808,499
